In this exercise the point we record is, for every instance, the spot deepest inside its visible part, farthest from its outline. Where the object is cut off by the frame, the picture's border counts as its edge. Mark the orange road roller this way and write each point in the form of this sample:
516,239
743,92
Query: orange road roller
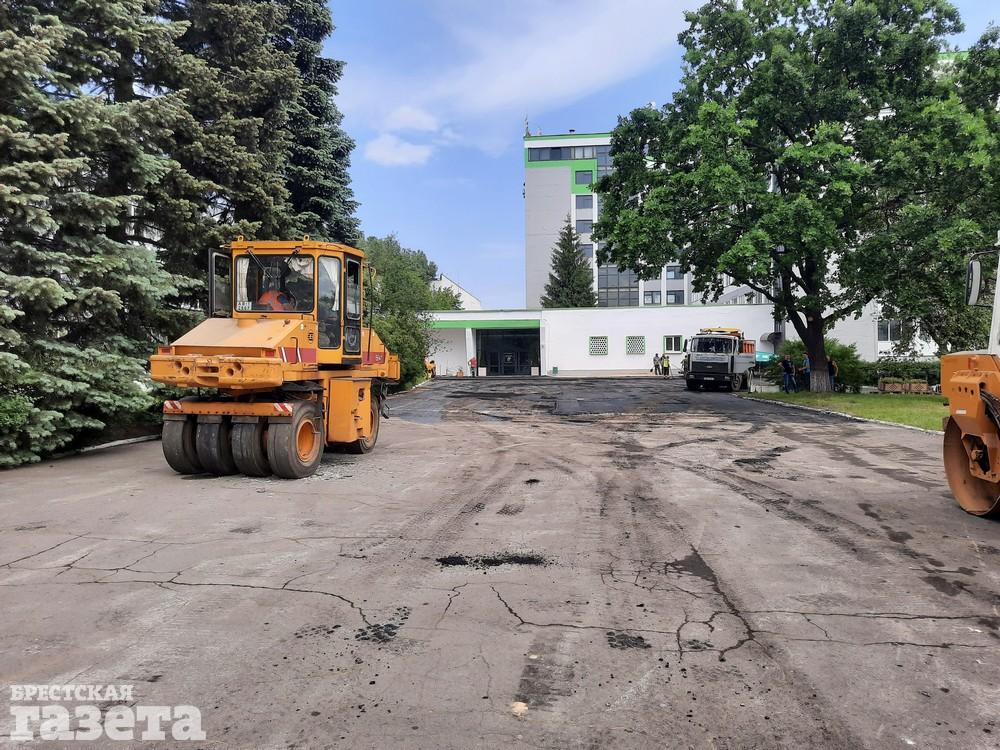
283,368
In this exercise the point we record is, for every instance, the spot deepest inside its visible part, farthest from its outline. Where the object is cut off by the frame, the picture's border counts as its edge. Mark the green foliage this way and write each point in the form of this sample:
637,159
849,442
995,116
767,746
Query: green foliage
808,156
571,281
77,299
901,370
134,136
318,183
401,296
15,412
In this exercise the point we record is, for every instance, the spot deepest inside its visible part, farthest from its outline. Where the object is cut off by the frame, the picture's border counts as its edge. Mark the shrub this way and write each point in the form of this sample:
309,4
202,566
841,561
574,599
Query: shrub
851,367
905,369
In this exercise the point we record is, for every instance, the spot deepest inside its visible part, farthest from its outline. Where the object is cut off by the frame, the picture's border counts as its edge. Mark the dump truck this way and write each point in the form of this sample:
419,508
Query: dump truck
283,368
719,357
971,383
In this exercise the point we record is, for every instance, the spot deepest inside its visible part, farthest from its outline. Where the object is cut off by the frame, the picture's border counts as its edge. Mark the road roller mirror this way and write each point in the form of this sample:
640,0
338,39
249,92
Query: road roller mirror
973,281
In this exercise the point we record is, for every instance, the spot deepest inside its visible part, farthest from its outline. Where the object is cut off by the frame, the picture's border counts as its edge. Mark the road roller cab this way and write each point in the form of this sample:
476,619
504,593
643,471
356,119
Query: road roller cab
289,362
971,383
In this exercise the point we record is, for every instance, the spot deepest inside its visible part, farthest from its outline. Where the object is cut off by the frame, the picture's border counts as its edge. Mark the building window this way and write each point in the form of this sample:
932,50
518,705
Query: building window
635,345
673,343
617,288
584,226
584,201
651,298
584,177
603,154
674,272
890,330
562,153
587,251
598,346
675,298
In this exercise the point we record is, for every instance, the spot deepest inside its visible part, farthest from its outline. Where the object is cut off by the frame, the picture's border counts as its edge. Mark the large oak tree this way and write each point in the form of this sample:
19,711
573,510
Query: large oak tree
789,160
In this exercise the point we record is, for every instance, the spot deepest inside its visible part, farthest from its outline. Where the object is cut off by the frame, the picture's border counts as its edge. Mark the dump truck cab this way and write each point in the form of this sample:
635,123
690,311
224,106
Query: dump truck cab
286,342
718,357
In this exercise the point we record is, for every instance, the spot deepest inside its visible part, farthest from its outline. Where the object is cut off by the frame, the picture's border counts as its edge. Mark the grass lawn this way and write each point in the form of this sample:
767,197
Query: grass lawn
902,408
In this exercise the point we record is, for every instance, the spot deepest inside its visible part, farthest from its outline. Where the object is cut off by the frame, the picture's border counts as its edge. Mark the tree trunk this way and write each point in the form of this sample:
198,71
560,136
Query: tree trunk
819,373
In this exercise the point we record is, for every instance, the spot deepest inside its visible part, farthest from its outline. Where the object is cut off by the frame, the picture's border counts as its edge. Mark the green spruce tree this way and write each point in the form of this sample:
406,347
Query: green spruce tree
571,281
232,149
317,178
77,299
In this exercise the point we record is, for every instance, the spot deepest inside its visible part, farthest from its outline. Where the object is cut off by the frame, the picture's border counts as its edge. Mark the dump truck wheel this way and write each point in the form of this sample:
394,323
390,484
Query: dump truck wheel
215,447
974,495
179,446
295,448
367,445
250,450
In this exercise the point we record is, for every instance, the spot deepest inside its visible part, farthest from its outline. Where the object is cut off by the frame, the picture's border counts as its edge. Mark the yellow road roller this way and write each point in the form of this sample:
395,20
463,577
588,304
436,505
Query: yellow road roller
283,368
971,382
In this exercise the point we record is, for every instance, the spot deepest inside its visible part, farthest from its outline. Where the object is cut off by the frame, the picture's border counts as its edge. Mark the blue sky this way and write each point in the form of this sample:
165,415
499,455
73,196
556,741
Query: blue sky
435,93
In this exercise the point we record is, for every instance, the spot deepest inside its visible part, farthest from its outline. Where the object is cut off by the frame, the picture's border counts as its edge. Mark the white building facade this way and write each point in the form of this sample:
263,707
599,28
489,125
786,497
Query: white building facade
619,341
466,299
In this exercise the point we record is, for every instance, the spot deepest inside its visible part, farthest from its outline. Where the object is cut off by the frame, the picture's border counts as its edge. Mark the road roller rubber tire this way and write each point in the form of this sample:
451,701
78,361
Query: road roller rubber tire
179,447
295,448
367,445
215,447
974,495
250,449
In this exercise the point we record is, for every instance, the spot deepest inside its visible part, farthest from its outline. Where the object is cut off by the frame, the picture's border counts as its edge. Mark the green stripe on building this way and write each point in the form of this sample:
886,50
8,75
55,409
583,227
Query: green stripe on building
574,165
513,323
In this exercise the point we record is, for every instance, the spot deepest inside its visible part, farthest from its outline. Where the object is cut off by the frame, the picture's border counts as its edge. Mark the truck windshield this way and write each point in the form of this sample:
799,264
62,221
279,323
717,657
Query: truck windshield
275,283
712,345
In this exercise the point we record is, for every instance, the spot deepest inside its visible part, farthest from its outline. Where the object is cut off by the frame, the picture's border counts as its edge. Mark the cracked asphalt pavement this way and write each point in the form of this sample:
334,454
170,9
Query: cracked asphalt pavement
525,563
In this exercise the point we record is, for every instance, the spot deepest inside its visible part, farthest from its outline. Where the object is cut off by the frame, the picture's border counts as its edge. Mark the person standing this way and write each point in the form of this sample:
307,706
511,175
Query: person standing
474,366
788,370
834,369
656,363
665,366
805,372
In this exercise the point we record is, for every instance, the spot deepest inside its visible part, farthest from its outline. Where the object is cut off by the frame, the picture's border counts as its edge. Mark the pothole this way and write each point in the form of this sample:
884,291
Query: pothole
626,640
492,561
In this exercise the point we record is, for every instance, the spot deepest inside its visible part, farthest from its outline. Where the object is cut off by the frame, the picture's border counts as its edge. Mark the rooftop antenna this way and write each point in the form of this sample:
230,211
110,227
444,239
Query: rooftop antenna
527,130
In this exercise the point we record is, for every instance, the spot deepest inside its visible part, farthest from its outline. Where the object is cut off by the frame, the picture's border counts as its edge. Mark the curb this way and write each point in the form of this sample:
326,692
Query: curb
852,417
102,446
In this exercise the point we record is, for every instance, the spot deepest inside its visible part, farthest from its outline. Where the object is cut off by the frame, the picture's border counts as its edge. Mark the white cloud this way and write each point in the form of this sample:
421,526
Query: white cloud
495,63
408,117
390,150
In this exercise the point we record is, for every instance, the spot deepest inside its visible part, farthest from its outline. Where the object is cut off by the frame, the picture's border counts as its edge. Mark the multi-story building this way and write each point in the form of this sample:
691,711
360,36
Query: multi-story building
559,176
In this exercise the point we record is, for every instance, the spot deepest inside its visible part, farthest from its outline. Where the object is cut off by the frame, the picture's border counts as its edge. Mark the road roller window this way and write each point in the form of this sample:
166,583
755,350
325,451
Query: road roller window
352,308
220,290
328,317
353,290
274,283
